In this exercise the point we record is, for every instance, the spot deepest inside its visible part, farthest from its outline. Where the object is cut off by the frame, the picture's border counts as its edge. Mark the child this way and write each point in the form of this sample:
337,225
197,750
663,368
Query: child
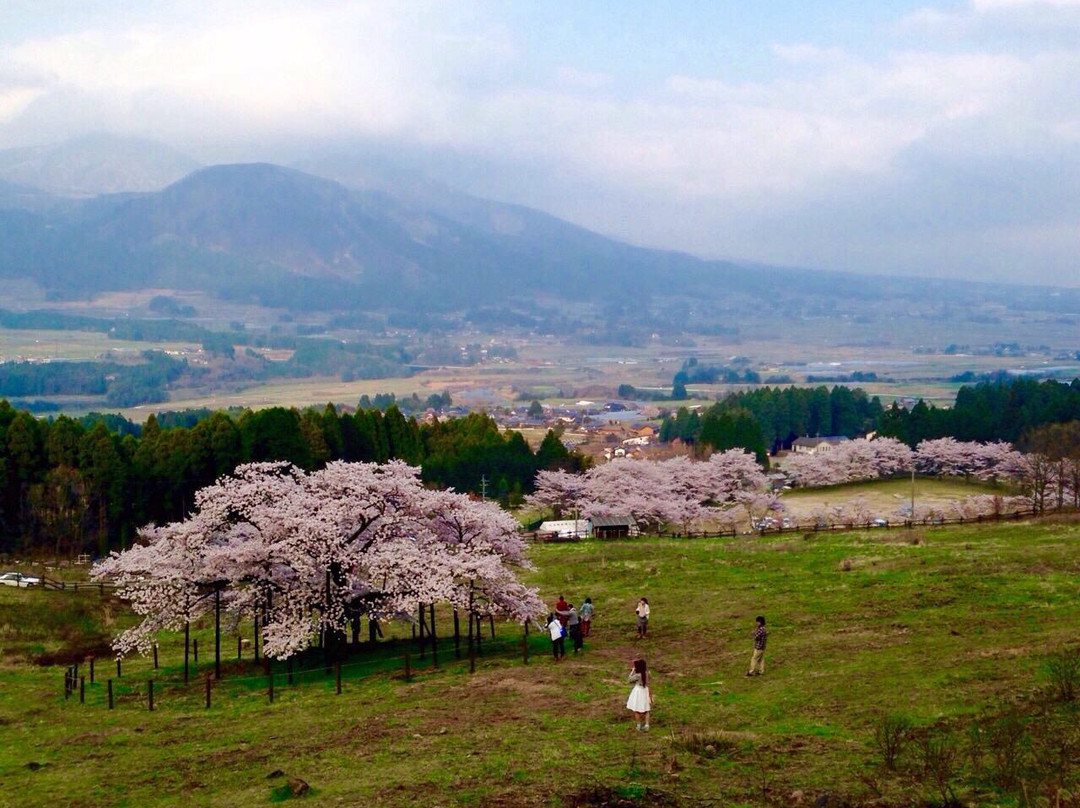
642,612
757,661
640,700
555,629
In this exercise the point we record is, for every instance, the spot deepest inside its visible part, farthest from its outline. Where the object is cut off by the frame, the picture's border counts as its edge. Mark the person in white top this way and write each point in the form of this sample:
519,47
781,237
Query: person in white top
640,700
558,644
642,611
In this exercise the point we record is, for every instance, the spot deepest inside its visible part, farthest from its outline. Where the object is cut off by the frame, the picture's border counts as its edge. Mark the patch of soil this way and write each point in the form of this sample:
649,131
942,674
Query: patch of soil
76,652
628,796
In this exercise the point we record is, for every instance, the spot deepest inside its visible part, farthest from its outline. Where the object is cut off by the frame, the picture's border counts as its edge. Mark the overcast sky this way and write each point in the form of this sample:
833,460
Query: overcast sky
937,139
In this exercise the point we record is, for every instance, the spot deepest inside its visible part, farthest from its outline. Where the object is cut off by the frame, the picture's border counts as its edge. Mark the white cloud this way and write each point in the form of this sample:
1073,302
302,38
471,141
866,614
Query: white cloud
694,161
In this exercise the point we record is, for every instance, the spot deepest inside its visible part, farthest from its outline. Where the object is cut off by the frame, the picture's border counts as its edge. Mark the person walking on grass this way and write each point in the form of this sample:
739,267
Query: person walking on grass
586,614
640,700
558,644
572,621
642,612
757,660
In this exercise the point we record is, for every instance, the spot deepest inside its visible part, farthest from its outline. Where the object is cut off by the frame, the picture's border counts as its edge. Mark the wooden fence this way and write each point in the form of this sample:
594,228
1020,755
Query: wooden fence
820,527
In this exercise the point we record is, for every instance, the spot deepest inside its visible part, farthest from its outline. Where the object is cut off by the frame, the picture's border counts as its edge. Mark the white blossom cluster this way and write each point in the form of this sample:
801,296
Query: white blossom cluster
680,492
306,551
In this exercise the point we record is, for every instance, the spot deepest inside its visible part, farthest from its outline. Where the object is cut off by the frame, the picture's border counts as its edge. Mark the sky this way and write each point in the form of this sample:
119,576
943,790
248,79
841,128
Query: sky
920,138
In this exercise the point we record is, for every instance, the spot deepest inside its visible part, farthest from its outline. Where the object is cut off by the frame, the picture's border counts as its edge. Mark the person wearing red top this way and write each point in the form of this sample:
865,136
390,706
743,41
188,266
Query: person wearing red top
562,606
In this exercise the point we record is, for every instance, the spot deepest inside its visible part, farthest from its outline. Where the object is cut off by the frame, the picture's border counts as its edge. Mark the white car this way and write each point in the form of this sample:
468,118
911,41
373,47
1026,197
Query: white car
18,579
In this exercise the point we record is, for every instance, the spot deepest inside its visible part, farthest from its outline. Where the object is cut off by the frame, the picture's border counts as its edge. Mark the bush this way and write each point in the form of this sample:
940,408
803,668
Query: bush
1063,670
891,733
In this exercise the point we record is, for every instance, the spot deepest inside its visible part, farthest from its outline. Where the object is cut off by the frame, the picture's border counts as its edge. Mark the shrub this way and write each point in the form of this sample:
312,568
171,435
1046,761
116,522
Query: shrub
891,733
1063,670
939,759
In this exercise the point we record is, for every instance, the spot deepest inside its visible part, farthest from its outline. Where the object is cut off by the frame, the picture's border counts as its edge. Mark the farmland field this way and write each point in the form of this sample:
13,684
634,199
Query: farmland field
936,624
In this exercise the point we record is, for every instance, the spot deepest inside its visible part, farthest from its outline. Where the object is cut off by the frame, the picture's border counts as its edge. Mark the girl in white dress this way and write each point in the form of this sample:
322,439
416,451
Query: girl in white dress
640,701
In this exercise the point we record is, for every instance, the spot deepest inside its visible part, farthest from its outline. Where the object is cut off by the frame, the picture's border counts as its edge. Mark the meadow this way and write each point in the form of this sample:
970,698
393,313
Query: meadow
943,626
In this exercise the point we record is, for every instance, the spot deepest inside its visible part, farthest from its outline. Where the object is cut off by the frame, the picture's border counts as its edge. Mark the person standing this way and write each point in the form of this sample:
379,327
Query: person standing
586,614
573,625
561,607
757,659
640,699
555,629
642,611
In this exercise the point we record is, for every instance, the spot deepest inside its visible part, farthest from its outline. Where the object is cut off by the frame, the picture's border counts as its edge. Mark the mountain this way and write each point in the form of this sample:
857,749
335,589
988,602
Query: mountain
283,237
95,164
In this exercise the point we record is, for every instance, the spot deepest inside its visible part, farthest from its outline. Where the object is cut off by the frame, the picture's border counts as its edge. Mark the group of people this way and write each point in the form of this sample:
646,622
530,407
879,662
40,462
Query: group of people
640,701
568,619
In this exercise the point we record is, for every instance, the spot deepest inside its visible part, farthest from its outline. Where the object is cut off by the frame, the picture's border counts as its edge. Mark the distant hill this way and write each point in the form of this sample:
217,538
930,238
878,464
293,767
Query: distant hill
283,237
95,164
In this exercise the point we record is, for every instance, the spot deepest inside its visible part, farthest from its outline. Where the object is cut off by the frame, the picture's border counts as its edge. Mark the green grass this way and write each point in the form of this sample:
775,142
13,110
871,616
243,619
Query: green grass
934,630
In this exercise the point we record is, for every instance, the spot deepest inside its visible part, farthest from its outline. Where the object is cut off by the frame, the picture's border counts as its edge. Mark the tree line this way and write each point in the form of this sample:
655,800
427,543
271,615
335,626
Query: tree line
69,486
771,417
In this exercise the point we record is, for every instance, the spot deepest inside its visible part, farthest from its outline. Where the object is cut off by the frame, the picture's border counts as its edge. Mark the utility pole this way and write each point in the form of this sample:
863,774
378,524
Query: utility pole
913,494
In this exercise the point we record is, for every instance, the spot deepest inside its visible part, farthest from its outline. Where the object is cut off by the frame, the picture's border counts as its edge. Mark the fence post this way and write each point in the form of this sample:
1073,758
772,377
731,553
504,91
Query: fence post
67,682
434,638
491,622
118,667
82,690
195,650
155,656
109,691
239,648
457,636
337,674
150,693
207,691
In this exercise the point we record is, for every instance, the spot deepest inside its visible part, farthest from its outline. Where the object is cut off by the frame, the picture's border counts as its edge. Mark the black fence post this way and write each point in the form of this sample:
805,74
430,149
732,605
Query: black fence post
155,656
195,650
457,636
150,694
118,667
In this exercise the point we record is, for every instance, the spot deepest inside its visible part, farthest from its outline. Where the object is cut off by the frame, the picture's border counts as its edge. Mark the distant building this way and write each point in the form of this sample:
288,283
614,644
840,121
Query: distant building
564,529
613,527
813,446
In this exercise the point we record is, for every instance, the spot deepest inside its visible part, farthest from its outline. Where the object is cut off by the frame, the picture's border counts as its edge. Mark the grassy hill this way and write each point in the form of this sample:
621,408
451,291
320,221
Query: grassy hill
949,627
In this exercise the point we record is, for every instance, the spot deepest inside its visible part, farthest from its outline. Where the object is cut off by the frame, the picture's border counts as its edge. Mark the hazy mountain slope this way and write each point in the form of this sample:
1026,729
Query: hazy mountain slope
96,164
283,237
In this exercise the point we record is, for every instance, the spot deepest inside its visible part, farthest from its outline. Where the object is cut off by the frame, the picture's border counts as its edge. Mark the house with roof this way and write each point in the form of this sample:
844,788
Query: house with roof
818,445
613,527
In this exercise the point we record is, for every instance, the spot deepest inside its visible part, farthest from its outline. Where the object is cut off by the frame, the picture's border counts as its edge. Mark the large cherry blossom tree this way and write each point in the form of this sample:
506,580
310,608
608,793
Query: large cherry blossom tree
307,552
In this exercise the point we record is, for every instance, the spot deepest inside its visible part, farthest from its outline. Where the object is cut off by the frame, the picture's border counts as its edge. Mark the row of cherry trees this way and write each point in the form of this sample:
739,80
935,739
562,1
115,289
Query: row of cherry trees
862,459
1041,478
680,491
308,553
730,486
